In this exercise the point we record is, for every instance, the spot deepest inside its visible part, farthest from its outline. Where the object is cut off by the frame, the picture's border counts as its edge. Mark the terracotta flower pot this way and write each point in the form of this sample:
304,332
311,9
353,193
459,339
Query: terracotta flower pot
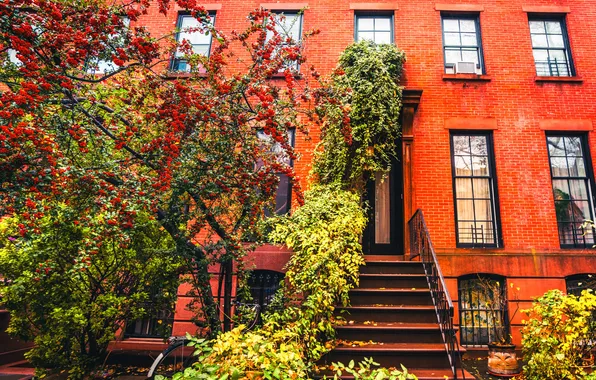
502,360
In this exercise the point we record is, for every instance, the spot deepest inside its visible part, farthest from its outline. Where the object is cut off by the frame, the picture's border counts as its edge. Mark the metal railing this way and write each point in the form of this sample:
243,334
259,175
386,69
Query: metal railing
422,246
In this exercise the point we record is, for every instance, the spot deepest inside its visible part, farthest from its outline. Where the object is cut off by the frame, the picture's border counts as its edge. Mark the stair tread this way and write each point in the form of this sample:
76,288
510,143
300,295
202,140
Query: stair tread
421,373
390,325
404,290
388,307
395,347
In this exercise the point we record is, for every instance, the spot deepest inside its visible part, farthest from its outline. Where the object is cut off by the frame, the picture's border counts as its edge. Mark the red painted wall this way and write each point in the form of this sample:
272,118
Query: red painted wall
509,98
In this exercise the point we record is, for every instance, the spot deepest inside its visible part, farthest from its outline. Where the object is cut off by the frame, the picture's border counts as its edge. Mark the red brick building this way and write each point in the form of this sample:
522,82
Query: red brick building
498,142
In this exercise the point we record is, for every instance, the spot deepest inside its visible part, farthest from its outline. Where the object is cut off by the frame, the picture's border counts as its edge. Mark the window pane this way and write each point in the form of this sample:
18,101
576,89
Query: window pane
481,188
578,189
452,56
480,165
467,25
573,146
478,145
463,188
559,166
561,189
469,39
382,37
555,41
450,25
366,36
452,39
461,145
470,56
365,23
539,40
537,27
553,27
576,167
540,55
383,23
482,210
556,146
463,166
465,210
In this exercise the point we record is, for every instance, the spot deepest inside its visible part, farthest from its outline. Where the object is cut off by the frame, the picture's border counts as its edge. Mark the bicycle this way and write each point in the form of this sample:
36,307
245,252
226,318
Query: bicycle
178,355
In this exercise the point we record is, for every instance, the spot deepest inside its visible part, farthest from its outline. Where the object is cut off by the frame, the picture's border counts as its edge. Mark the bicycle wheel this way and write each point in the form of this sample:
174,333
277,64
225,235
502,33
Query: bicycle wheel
175,358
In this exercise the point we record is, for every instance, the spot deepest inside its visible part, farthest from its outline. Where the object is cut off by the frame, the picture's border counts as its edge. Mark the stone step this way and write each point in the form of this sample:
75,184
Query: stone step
390,332
421,374
411,355
390,296
402,313
392,267
399,280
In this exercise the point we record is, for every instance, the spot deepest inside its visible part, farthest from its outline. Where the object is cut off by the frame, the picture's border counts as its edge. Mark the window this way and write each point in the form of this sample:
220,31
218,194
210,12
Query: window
572,189
550,47
376,28
476,206
157,326
289,26
462,45
101,66
482,309
200,41
579,282
283,196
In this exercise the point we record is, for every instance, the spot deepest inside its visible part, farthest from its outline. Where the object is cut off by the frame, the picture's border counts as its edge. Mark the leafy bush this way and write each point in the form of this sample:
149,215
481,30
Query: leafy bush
71,303
561,330
365,371
360,107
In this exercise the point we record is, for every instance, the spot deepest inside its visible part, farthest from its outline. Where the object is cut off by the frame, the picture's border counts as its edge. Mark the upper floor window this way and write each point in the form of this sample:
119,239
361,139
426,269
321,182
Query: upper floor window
283,195
289,27
200,41
550,47
474,190
462,44
572,189
377,28
483,309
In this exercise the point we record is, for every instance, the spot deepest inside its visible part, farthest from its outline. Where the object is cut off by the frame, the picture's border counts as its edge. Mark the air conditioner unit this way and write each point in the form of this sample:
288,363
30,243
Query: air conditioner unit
465,68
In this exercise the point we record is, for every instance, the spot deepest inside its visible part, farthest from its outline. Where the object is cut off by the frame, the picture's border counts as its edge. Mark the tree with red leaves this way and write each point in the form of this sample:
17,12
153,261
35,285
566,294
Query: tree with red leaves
135,139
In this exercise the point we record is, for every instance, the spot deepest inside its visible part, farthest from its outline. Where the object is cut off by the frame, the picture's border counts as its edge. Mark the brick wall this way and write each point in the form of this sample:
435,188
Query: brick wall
518,106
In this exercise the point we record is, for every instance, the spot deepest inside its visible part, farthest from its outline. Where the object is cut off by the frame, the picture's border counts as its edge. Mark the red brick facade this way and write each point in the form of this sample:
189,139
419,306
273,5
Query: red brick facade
509,101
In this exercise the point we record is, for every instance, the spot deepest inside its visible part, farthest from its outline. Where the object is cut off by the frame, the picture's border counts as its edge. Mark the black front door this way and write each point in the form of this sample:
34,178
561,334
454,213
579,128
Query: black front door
384,234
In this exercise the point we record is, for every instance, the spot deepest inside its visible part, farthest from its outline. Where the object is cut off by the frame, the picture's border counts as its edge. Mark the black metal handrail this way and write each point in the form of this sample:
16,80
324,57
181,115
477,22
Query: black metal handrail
422,246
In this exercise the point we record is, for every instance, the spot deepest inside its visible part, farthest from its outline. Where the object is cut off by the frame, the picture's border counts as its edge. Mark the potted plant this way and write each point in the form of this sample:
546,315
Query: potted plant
502,358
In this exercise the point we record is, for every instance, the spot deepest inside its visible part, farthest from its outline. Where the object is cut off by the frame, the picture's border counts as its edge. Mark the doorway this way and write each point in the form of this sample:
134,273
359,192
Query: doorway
384,234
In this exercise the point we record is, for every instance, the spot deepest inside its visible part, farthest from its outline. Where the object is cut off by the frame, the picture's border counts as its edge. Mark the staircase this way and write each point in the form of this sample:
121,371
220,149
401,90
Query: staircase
392,319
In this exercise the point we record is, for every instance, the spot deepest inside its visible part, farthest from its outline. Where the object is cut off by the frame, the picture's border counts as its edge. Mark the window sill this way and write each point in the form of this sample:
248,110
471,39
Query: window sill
176,75
283,76
469,77
559,79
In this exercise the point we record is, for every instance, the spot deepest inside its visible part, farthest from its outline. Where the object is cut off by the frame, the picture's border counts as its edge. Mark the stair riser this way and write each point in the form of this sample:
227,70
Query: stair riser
406,316
388,282
390,336
389,268
409,359
389,298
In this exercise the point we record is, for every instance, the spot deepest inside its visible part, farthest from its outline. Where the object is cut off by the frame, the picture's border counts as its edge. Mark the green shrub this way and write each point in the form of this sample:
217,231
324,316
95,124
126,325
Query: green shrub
561,329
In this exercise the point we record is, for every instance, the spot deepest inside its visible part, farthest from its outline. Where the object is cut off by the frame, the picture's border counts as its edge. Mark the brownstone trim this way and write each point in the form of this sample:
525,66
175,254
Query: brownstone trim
559,79
459,7
566,125
546,9
374,6
284,6
472,123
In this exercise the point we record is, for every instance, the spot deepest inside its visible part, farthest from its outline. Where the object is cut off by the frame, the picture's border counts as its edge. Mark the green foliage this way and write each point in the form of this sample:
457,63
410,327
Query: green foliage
561,331
71,303
365,371
324,235
360,107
